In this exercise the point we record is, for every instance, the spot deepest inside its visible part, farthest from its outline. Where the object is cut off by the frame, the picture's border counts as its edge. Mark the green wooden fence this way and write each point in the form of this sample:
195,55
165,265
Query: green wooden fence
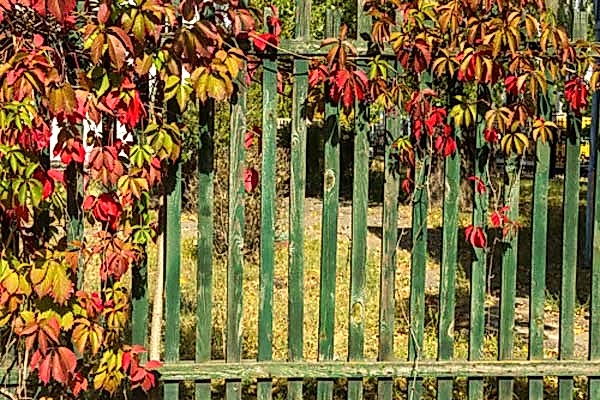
388,366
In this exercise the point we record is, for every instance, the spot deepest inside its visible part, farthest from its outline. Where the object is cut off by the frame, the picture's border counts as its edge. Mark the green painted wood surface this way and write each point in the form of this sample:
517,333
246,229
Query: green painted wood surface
74,183
389,243
358,272
569,259
205,241
479,263
360,212
235,260
417,274
539,225
538,262
139,302
297,193
172,263
448,269
267,224
594,336
185,371
509,275
331,187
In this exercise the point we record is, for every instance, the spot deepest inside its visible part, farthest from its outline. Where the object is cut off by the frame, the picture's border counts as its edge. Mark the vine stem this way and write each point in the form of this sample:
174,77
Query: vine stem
6,393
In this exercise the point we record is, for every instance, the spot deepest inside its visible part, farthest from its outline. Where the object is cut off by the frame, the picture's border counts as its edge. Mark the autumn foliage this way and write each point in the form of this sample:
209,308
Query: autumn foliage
66,65
458,67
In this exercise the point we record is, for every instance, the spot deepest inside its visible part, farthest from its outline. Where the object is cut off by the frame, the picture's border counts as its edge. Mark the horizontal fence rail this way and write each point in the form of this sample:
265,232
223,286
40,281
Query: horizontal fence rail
334,369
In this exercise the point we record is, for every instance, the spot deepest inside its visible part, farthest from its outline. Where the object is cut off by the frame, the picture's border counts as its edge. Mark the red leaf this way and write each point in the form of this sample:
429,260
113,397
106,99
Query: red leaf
491,135
38,40
479,184
103,13
576,94
73,152
44,370
152,365
511,85
61,9
250,179
318,75
407,185
436,118
89,202
78,384
126,360
499,217
46,181
255,132
264,40
135,110
445,143
476,236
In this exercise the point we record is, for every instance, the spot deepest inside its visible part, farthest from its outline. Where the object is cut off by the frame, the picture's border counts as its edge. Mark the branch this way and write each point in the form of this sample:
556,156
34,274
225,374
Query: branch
9,395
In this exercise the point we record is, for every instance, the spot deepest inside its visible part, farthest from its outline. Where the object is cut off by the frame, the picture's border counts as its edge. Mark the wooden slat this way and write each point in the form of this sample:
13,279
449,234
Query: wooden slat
360,211
387,300
172,271
570,242
267,225
205,241
74,184
538,263
235,260
297,192
329,225
479,264
370,368
417,274
448,269
358,272
139,302
172,255
594,336
538,247
509,275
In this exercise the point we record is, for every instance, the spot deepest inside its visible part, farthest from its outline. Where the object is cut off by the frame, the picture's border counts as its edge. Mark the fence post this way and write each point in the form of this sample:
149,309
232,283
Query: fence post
205,241
329,226
360,209
297,193
235,260
268,216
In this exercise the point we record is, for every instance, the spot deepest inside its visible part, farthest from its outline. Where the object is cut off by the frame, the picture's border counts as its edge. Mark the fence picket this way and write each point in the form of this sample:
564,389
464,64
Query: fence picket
267,226
387,301
358,273
235,261
331,187
205,241
297,192
594,335
448,269
172,272
539,225
570,243
509,275
417,274
538,263
479,264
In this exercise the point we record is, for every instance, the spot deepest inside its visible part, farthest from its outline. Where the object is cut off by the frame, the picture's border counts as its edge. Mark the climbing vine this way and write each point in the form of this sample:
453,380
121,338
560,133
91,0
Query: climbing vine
110,67
454,63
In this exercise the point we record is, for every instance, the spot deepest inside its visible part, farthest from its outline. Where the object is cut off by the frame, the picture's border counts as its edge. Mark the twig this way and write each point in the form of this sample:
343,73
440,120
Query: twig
8,394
